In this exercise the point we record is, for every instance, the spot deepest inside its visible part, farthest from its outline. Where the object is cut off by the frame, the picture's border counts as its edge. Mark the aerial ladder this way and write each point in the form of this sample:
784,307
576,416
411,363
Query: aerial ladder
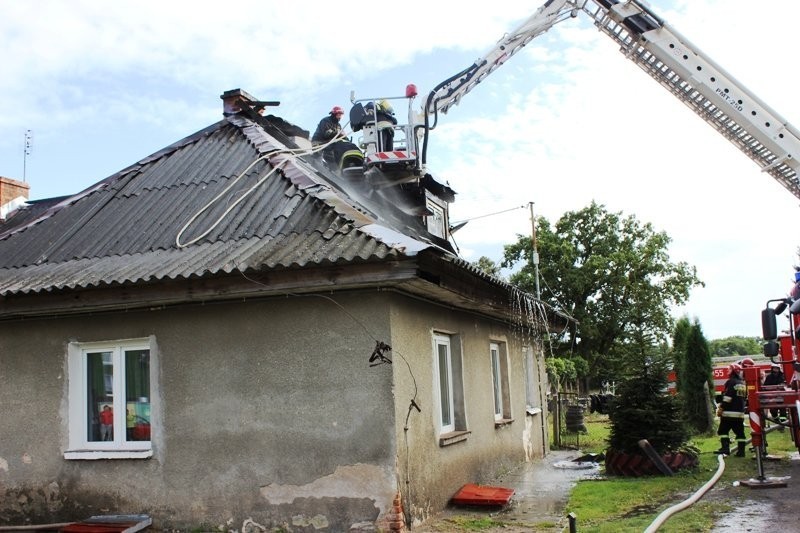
678,65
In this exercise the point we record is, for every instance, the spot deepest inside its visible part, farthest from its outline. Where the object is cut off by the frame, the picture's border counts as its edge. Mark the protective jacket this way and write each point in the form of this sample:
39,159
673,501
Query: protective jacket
734,397
774,378
327,129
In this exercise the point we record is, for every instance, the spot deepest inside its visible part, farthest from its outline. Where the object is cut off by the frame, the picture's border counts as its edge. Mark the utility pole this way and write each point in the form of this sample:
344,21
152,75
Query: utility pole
535,252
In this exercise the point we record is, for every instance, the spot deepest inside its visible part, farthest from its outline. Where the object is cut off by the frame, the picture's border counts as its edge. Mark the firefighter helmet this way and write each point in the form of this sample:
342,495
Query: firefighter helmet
735,368
385,106
776,366
337,110
747,362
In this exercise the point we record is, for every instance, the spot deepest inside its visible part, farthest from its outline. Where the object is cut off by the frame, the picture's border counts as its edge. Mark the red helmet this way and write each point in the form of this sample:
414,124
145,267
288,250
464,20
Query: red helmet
337,110
747,362
735,368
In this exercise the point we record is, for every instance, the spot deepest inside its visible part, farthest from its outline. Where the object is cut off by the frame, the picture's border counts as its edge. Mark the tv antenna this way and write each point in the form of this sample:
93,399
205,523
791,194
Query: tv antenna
27,152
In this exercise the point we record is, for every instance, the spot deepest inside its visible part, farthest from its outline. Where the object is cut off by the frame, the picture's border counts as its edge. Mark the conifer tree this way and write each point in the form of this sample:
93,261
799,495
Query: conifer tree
642,409
697,388
680,337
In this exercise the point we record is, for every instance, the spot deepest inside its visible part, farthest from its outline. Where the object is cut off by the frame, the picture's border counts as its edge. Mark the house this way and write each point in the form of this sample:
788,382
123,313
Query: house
227,334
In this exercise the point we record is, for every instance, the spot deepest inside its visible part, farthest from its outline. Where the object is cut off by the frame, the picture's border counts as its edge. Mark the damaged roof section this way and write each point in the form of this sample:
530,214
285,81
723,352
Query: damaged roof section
243,195
126,228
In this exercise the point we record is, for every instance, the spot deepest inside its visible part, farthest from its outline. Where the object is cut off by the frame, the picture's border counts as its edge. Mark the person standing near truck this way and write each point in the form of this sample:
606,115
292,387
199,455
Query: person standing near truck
775,377
731,412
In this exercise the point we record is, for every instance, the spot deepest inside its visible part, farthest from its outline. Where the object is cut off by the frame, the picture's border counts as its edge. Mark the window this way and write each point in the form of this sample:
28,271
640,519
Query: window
109,400
533,401
449,389
502,399
436,222
444,373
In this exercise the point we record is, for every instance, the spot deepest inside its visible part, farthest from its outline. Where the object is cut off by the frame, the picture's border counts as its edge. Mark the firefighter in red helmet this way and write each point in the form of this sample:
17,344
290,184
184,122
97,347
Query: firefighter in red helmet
330,136
731,412
329,127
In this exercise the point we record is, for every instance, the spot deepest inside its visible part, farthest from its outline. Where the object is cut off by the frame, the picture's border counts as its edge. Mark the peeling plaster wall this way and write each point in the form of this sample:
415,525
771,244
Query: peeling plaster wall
265,410
435,473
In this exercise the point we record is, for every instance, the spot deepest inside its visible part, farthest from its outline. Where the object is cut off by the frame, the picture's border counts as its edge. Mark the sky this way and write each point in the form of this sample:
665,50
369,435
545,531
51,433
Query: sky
97,86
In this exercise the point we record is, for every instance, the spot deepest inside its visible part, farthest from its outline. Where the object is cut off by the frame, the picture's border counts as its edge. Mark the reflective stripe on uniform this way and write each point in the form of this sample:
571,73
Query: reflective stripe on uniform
733,414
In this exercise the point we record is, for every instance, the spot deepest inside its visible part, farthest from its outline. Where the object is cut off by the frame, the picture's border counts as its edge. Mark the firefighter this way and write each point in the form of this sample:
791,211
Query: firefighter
731,412
327,131
337,151
775,377
382,114
329,127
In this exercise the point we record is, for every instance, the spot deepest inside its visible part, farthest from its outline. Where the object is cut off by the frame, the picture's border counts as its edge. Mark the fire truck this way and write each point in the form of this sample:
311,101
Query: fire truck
720,371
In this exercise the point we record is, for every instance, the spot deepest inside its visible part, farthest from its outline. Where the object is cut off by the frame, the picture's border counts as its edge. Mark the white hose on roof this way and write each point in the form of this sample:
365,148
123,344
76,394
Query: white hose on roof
288,151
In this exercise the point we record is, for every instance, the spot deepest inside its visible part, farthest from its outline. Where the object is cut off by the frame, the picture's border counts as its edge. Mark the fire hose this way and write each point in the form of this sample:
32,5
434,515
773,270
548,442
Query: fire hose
666,513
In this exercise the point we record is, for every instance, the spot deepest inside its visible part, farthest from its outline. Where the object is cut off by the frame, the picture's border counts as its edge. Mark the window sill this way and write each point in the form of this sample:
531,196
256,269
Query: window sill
533,410
89,455
503,422
454,437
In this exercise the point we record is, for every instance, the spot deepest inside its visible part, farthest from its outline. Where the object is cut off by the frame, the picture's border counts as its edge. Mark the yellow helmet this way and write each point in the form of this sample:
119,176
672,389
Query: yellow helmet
385,106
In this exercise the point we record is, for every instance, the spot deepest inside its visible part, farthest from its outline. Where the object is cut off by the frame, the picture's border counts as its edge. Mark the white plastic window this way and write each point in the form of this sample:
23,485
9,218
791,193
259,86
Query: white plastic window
109,400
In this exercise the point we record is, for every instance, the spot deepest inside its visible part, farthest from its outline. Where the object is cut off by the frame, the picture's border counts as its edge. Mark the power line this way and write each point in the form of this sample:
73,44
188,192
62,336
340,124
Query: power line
488,215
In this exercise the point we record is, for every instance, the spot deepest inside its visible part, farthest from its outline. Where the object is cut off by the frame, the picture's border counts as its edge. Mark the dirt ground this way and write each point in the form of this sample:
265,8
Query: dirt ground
762,504
542,491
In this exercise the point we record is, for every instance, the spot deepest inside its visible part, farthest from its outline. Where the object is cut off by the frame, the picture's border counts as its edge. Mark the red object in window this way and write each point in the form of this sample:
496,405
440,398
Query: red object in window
471,494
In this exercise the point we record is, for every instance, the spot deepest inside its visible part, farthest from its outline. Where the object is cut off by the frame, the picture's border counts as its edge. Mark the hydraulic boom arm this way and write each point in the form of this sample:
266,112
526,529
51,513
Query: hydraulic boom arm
679,66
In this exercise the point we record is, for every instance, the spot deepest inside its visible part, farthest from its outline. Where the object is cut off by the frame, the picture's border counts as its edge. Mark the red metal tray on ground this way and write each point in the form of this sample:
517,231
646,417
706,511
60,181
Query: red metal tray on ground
471,494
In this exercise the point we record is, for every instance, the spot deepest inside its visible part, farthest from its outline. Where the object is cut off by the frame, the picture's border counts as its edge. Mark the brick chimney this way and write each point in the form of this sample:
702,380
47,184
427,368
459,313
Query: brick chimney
13,193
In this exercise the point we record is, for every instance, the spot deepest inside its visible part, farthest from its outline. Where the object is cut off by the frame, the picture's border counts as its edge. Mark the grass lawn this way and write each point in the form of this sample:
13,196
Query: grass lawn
631,504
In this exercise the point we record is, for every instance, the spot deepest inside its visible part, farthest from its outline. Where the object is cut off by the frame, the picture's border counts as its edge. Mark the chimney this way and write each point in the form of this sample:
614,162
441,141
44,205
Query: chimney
232,99
232,102
13,194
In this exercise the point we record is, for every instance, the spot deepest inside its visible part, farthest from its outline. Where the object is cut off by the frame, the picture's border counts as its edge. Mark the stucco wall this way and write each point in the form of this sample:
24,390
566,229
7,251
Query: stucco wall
261,409
432,473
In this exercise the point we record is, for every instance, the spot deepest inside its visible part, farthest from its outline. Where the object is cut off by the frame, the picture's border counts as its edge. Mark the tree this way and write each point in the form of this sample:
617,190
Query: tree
680,337
736,345
698,387
487,265
612,274
642,410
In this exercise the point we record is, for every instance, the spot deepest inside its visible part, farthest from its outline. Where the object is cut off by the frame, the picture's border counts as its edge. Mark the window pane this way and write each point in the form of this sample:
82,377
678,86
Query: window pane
498,398
137,395
444,385
100,395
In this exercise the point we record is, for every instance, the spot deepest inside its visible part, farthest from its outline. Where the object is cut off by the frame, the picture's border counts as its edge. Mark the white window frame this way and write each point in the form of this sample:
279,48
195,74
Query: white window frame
444,342
436,222
533,400
497,380
501,384
79,446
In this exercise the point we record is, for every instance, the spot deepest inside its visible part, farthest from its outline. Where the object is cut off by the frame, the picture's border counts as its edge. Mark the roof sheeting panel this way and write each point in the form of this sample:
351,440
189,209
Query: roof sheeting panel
238,211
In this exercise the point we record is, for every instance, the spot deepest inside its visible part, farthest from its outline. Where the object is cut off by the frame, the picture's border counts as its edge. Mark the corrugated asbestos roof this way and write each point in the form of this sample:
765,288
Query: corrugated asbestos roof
215,187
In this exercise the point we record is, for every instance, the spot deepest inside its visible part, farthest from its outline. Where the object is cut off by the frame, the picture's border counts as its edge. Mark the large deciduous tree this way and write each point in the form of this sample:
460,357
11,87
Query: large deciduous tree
612,274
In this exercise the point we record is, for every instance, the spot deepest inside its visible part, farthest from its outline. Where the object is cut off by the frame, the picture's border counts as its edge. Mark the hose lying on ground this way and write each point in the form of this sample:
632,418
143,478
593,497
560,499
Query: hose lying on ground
666,513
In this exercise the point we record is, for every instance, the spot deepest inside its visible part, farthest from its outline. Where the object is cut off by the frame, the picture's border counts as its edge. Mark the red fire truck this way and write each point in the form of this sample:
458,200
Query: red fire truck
721,371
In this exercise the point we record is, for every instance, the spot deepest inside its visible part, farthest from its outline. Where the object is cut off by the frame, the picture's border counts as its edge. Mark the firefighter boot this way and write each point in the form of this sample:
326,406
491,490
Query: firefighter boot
740,448
726,446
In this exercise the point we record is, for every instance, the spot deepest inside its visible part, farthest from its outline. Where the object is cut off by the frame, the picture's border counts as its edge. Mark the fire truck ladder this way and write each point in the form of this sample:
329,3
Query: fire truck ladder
758,131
